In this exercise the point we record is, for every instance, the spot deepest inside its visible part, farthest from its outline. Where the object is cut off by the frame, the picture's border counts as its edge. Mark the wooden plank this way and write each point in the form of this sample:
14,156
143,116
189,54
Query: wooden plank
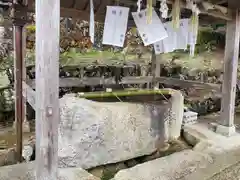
187,83
155,70
144,72
157,73
47,88
136,80
230,71
30,95
78,82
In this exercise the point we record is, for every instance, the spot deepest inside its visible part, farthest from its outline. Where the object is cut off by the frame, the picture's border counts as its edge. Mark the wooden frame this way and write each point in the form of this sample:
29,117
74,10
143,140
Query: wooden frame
231,57
47,83
76,11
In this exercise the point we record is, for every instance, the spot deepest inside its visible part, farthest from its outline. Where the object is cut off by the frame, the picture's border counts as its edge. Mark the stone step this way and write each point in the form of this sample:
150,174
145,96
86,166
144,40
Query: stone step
176,166
26,171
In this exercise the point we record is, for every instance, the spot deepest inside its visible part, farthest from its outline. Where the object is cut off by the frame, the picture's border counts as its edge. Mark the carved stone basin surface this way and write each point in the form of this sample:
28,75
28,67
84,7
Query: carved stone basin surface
95,133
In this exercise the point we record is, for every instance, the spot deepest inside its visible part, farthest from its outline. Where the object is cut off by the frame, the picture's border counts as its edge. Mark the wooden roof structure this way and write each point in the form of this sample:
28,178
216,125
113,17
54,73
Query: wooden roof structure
47,65
219,9
80,9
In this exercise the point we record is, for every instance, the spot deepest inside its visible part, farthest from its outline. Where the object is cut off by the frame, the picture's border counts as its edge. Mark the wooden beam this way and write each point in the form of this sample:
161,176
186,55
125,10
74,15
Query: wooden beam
155,70
30,94
78,82
230,71
99,16
47,88
217,11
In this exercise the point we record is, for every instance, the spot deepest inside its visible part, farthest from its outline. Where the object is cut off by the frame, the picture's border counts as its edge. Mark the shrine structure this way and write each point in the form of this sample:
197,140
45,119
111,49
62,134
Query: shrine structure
47,18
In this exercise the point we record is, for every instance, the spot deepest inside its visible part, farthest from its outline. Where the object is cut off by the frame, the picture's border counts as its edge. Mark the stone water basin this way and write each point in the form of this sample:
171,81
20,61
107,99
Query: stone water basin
99,128
124,130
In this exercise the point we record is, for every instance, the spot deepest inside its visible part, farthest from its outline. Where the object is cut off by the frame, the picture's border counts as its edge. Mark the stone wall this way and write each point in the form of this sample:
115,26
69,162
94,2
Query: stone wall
26,171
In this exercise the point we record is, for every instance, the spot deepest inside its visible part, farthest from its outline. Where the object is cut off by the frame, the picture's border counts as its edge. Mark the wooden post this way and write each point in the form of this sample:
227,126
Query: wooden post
47,88
18,65
226,126
155,70
157,74
19,20
144,73
26,125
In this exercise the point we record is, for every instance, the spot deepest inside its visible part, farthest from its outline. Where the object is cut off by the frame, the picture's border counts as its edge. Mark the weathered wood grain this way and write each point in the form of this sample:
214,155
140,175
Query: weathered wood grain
94,81
230,71
156,68
47,87
18,65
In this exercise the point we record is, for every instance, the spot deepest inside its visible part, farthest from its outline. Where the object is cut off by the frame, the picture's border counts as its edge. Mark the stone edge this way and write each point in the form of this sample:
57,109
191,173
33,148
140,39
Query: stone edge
220,159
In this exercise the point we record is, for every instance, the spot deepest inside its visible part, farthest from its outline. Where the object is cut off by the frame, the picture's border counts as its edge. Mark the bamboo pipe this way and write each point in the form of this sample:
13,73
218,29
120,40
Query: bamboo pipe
132,92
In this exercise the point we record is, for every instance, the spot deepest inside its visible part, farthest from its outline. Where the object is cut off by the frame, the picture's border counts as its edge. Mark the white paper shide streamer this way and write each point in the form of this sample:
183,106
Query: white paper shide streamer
92,23
115,25
149,32
194,25
177,38
139,5
164,9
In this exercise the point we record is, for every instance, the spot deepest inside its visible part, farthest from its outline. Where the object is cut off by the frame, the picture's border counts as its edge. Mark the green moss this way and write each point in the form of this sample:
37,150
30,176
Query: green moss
209,40
31,28
108,174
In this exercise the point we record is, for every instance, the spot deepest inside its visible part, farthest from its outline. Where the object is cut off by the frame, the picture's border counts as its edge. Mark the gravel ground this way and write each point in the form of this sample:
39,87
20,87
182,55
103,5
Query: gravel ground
231,173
